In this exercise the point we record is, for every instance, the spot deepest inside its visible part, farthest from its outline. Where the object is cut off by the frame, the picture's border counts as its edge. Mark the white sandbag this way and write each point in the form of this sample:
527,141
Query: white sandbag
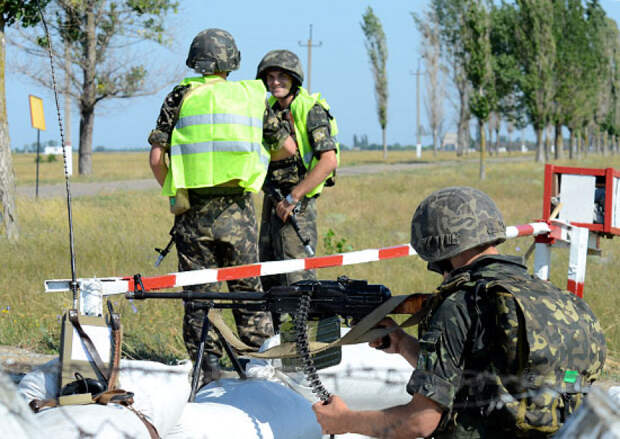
248,409
18,421
93,421
614,394
160,391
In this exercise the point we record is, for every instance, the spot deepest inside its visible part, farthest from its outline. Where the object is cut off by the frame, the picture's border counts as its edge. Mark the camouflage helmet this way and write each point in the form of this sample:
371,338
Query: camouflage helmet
454,219
212,51
283,60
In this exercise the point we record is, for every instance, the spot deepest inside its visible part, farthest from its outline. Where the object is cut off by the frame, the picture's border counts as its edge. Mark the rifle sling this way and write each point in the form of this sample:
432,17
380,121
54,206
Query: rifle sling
90,347
117,336
364,331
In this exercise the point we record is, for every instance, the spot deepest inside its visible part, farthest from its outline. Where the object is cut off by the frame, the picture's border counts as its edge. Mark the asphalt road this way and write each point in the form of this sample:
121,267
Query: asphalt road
106,187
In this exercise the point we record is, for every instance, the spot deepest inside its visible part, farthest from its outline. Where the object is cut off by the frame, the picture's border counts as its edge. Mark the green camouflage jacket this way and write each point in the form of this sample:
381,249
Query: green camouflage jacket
506,349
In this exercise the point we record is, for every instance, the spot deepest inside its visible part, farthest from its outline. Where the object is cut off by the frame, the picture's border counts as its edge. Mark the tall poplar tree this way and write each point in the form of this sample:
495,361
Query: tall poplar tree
376,46
451,18
536,47
479,68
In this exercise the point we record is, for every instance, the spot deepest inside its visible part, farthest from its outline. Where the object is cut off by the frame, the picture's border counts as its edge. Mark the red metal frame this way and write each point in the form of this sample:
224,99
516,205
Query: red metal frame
608,173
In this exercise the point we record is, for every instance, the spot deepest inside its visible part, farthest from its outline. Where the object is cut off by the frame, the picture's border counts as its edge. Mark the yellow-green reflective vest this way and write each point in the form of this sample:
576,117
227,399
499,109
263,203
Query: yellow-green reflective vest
300,107
218,136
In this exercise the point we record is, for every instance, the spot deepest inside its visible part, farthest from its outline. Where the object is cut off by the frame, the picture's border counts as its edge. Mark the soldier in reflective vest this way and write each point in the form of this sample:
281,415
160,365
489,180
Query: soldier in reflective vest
217,135
300,176
501,354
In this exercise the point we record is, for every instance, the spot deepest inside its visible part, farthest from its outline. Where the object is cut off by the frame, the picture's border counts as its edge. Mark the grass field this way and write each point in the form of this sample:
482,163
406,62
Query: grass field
115,235
135,164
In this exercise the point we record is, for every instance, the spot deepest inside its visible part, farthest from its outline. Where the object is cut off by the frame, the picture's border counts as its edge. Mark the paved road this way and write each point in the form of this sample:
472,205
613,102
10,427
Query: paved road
106,187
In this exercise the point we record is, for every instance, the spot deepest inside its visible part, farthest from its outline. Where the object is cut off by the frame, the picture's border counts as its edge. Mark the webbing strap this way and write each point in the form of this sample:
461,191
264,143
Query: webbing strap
364,331
88,343
117,337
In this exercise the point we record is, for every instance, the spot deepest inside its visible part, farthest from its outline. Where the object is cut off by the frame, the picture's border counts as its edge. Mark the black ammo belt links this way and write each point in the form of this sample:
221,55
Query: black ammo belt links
301,319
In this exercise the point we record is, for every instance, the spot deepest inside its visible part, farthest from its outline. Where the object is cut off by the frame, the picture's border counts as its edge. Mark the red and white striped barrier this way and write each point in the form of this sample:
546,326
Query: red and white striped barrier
120,285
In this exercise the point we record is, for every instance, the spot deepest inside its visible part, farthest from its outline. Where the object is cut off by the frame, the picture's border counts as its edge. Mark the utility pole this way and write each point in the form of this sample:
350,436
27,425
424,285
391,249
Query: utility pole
418,147
309,45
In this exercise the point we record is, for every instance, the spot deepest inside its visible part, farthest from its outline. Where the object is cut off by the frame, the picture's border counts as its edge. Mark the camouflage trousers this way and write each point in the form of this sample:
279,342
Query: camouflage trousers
278,241
220,231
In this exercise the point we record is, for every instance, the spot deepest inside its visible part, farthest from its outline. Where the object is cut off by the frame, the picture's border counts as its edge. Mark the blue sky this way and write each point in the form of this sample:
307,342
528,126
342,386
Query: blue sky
340,69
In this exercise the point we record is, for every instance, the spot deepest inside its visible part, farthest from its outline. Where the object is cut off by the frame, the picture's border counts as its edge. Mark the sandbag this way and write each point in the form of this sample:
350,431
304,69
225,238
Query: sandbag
248,409
18,421
160,391
93,421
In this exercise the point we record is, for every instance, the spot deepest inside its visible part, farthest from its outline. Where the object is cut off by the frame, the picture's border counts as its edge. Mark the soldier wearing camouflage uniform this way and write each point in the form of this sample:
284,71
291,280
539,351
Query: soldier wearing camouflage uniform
299,177
501,354
211,130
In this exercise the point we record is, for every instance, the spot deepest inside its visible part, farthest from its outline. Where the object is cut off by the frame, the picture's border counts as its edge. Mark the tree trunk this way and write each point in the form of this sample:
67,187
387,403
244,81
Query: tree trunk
88,100
482,149
605,143
540,152
490,128
509,142
559,142
7,174
571,144
548,143
383,136
463,125
87,122
435,142
497,127
586,142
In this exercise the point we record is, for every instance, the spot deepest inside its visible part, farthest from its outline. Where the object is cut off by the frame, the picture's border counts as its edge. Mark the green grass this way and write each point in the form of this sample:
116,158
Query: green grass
134,165
115,235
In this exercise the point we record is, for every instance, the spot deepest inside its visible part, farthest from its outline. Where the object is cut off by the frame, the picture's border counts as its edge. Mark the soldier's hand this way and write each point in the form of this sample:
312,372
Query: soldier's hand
331,415
284,210
395,337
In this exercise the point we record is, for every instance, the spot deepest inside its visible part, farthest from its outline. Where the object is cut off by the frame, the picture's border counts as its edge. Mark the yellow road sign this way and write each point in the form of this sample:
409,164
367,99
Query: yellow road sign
37,118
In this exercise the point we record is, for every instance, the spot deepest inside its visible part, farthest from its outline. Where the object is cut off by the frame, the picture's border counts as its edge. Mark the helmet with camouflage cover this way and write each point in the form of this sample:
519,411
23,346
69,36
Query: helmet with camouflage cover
213,51
281,59
455,219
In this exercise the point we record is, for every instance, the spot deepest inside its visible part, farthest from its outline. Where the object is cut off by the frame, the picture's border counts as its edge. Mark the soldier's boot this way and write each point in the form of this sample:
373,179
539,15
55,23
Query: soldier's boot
210,368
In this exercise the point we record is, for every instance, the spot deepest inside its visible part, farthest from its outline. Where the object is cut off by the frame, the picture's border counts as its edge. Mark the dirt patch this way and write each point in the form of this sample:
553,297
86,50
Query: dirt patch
17,361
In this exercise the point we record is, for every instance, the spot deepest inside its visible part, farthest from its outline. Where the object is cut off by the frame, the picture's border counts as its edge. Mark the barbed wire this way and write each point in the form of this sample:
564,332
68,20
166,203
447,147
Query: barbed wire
479,382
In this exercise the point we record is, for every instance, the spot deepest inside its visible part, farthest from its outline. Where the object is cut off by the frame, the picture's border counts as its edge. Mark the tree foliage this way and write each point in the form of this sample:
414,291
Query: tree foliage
376,46
429,28
479,67
450,19
100,35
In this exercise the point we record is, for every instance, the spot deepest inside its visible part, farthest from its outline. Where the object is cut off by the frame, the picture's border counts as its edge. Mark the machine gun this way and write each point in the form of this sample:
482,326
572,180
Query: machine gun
351,299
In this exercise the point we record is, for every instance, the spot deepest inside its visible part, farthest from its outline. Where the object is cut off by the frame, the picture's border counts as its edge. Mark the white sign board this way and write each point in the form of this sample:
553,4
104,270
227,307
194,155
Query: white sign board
615,209
101,338
577,198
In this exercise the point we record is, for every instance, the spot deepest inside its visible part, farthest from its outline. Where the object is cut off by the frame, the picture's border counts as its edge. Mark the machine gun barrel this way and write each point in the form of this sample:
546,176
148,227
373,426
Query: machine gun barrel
345,297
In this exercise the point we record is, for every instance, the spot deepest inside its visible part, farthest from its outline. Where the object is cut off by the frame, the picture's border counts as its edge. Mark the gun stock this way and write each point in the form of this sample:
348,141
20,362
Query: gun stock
413,305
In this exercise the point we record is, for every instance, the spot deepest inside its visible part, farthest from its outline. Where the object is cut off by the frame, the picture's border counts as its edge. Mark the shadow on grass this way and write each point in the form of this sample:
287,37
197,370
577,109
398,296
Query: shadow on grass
136,349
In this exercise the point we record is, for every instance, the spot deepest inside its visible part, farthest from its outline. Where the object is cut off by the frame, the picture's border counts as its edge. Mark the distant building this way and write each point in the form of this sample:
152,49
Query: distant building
53,150
449,142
